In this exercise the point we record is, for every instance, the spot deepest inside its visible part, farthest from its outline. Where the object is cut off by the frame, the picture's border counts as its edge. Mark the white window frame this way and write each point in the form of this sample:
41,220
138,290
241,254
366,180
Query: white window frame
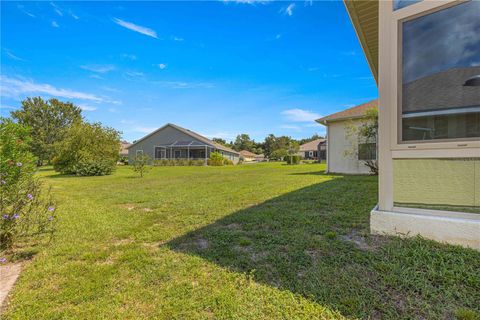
464,147
138,151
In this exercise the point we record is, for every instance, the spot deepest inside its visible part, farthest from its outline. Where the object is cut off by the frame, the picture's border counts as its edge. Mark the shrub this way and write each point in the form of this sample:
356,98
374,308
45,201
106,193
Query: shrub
87,149
27,209
123,160
141,164
216,159
227,162
293,159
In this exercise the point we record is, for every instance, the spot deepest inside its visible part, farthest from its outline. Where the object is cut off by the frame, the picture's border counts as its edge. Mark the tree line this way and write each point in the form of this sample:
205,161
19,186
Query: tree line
273,147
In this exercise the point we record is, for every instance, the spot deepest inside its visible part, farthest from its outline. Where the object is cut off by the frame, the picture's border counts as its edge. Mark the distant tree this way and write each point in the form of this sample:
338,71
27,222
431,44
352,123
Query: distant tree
243,142
47,121
364,134
87,149
221,141
273,143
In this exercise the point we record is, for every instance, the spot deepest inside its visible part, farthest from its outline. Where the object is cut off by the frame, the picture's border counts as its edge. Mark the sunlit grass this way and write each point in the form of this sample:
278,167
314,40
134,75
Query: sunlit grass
265,241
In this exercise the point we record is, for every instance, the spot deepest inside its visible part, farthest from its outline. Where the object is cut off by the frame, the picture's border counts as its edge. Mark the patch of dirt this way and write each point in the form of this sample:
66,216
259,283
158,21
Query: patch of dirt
258,256
122,242
147,209
129,206
202,243
233,226
9,275
362,242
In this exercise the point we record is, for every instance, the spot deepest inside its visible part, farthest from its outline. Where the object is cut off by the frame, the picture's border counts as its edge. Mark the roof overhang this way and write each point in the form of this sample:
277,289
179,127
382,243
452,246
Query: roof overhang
364,17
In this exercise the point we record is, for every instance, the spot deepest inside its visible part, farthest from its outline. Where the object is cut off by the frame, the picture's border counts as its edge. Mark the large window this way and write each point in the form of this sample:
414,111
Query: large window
440,94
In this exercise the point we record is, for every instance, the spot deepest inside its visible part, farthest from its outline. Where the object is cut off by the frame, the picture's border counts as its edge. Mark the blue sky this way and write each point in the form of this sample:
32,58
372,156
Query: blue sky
219,68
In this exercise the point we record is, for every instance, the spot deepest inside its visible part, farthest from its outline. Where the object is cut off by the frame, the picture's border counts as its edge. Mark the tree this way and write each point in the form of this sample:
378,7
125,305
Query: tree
273,143
87,149
48,121
363,139
221,141
243,142
140,164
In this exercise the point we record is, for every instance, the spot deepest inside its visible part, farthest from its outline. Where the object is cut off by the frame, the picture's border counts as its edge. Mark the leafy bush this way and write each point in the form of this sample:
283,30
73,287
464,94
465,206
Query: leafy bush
227,162
216,159
293,159
27,210
123,160
87,149
141,164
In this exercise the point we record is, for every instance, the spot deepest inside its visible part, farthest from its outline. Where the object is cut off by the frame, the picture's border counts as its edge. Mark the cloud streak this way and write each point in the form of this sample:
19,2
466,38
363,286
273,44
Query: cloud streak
98,68
137,28
13,87
288,10
300,115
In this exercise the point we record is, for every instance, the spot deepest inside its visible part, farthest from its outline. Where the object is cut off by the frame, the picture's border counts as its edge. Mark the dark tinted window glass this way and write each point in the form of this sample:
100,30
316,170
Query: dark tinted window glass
441,74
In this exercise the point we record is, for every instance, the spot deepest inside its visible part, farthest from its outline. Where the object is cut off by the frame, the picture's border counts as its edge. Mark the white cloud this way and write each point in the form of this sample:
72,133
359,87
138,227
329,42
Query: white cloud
131,26
22,8
162,66
177,38
96,76
74,16
14,87
56,9
55,24
278,36
184,85
288,10
300,115
221,135
85,107
12,56
6,107
129,56
98,68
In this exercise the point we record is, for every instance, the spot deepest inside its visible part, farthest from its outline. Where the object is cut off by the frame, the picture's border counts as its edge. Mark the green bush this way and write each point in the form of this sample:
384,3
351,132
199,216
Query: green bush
293,159
227,162
92,168
87,149
27,209
216,159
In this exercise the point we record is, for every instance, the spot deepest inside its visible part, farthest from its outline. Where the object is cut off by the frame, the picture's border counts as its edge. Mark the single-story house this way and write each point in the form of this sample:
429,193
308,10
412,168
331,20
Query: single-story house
313,150
251,157
346,154
428,115
174,142
124,145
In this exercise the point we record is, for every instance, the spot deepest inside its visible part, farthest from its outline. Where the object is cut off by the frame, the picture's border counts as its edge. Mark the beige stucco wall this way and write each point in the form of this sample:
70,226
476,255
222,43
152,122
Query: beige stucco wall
338,143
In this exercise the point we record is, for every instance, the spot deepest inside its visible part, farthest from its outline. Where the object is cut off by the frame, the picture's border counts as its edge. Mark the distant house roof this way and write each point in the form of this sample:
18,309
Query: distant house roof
190,133
312,145
351,113
124,147
249,154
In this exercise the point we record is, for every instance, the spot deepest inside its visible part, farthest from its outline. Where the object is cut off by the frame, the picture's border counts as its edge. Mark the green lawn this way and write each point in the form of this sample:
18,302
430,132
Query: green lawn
264,241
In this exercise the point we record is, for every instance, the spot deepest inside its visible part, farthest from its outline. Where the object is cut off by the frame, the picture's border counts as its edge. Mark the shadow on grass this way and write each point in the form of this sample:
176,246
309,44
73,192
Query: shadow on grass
315,242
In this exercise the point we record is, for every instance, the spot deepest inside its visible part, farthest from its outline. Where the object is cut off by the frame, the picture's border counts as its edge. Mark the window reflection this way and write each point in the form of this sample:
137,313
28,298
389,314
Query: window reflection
441,62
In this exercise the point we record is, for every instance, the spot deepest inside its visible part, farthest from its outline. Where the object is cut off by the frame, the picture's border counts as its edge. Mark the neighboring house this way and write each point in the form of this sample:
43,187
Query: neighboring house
313,150
429,115
251,157
174,142
124,145
346,154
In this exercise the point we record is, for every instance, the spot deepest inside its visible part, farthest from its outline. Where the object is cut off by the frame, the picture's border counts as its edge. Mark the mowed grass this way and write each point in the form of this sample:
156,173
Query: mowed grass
264,241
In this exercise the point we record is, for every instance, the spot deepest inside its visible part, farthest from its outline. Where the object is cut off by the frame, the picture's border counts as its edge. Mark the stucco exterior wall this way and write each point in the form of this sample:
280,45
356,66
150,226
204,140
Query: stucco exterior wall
338,144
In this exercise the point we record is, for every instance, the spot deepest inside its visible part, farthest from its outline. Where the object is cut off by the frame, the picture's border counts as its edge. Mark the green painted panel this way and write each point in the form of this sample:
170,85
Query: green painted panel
437,182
